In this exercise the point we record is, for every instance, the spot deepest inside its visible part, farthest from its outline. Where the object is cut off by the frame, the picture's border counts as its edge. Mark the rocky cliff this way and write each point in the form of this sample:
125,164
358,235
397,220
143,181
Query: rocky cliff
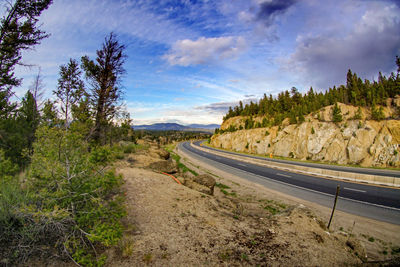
365,142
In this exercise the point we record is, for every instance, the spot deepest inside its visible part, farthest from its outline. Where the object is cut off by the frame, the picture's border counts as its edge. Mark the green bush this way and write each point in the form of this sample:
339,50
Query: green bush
74,205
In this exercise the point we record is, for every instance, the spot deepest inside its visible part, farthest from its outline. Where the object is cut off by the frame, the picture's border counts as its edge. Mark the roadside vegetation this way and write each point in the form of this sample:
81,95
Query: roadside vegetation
60,197
170,148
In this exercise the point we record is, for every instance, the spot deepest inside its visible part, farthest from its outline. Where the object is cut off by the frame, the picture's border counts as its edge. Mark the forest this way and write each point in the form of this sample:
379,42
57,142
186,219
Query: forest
58,196
294,105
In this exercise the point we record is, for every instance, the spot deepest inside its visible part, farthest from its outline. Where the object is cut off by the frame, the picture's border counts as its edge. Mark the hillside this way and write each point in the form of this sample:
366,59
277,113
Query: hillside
362,141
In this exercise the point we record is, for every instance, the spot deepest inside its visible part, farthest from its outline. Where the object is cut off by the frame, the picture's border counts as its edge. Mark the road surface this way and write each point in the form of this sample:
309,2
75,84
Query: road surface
381,172
376,202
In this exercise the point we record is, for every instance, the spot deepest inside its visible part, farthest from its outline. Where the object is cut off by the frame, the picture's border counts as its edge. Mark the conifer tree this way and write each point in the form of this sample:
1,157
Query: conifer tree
337,113
70,88
104,76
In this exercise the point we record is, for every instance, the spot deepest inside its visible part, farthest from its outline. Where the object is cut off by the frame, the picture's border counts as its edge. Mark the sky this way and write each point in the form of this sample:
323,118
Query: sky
189,60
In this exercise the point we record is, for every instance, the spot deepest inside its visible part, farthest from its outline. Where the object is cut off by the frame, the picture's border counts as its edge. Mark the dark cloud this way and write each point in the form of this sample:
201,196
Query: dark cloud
247,96
270,9
371,47
222,107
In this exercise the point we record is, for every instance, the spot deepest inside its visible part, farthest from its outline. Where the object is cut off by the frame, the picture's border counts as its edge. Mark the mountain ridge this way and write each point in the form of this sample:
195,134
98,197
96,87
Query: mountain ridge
175,127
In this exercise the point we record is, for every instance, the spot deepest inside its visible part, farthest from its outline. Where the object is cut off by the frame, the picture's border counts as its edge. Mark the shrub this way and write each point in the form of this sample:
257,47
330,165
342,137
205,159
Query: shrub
73,207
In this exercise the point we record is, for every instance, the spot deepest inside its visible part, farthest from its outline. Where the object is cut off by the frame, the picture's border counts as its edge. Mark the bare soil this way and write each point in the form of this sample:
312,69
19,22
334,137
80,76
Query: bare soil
241,224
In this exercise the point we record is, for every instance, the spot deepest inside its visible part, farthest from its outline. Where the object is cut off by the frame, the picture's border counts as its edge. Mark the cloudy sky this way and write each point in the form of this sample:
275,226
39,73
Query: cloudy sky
189,60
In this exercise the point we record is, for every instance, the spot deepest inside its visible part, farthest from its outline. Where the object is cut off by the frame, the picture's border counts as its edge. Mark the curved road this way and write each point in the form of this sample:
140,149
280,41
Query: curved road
377,202
381,172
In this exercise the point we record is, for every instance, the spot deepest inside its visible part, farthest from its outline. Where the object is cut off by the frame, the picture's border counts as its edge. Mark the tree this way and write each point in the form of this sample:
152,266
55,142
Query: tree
70,88
104,76
49,114
28,120
37,88
336,114
18,32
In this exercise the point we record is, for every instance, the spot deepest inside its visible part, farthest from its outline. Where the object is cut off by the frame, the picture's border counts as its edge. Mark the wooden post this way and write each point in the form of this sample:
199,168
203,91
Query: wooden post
334,205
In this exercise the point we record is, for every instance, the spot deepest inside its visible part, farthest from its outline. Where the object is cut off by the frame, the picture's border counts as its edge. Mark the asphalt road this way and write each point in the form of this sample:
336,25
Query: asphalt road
382,172
377,202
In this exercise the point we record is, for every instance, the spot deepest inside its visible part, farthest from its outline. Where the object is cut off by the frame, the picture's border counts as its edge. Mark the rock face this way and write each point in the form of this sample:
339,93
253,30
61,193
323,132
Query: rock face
202,183
167,166
363,142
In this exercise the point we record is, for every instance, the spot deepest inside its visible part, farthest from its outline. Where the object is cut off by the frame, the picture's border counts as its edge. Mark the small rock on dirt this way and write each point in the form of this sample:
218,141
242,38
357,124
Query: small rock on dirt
167,166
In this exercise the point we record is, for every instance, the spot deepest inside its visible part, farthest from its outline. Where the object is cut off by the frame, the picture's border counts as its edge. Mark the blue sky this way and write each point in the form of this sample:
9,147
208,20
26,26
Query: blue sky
188,61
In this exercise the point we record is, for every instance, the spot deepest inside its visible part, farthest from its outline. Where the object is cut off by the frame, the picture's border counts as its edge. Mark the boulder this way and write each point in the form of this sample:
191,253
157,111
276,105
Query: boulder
164,154
202,183
167,166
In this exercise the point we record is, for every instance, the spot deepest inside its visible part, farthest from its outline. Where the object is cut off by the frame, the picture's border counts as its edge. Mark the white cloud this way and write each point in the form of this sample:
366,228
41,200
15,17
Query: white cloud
369,47
205,50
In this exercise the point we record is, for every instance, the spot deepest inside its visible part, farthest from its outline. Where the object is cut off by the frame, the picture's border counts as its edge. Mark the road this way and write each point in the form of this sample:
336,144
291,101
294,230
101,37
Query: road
376,202
381,172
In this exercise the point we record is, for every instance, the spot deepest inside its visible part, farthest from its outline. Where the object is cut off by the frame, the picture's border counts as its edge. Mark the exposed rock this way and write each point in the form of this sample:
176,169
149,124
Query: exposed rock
164,154
364,142
202,183
167,166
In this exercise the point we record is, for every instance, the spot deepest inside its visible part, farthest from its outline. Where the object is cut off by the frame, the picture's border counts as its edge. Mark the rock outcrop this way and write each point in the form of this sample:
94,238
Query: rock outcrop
363,142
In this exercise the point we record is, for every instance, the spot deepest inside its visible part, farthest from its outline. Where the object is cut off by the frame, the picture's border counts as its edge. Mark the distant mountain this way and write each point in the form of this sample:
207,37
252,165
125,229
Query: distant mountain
176,127
204,126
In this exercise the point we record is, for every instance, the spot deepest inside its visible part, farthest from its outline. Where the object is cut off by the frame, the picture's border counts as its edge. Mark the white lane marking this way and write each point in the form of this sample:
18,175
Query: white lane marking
356,190
307,189
284,175
242,164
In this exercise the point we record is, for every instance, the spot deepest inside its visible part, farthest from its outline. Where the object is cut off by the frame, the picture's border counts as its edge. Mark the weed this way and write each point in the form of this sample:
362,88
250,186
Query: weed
244,257
147,258
223,186
273,207
395,250
371,239
224,255
126,247
384,252
235,217
341,229
266,133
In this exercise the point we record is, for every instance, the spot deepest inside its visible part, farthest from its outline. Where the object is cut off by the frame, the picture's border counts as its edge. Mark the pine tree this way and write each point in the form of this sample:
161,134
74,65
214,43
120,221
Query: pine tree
70,88
337,113
104,76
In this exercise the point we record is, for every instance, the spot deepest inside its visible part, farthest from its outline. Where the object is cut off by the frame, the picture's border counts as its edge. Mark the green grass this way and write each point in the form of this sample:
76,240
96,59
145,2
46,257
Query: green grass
182,166
272,206
222,187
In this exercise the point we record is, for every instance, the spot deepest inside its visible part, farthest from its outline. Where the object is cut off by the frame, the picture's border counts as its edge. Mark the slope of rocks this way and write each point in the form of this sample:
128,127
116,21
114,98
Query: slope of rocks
365,142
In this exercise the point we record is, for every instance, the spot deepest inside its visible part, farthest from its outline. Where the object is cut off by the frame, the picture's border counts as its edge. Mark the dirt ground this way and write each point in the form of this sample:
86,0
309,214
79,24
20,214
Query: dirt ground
241,224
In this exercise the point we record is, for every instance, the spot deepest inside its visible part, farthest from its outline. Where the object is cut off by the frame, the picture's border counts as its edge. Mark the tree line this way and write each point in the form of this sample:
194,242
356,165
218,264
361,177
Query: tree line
59,198
294,105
